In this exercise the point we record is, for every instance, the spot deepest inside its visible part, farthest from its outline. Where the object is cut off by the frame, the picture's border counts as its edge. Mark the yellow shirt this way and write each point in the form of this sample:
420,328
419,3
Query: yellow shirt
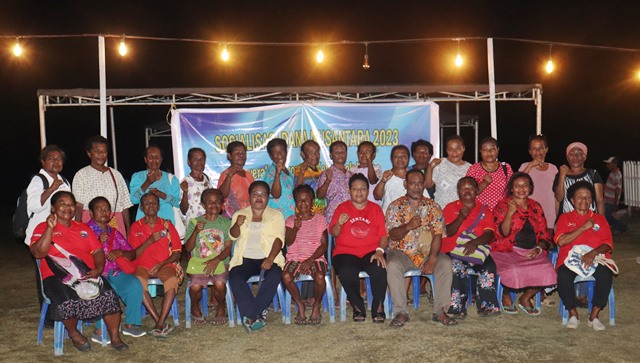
272,228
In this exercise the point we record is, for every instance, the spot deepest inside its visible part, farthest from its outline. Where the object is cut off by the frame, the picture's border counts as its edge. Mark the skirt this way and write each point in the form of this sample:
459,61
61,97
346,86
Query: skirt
518,272
65,303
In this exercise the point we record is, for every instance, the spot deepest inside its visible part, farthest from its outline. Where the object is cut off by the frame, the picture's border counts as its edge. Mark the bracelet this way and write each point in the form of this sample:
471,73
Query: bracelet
380,249
539,248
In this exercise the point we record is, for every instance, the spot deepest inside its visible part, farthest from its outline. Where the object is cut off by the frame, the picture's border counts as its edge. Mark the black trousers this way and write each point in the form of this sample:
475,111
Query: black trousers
567,291
348,267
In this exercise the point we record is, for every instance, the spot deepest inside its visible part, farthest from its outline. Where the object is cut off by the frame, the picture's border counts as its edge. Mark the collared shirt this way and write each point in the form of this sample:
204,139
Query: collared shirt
533,214
159,250
451,212
595,237
285,203
400,212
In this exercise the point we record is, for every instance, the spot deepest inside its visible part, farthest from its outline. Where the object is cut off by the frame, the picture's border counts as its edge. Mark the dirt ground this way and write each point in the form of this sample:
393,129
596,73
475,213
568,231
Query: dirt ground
503,338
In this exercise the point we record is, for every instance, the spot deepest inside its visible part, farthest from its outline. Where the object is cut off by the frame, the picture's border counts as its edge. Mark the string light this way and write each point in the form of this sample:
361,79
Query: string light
122,49
225,54
458,61
320,56
17,49
365,64
549,67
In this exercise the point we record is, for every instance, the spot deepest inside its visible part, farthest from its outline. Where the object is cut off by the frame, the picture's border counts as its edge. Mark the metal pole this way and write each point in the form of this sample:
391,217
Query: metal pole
538,93
492,88
457,118
103,86
113,138
43,125
475,129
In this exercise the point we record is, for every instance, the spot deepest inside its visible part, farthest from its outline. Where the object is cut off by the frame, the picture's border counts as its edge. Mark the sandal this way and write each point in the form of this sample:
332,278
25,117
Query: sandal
359,316
300,320
400,320
379,317
487,312
548,302
529,310
443,319
509,309
315,320
198,320
219,320
459,316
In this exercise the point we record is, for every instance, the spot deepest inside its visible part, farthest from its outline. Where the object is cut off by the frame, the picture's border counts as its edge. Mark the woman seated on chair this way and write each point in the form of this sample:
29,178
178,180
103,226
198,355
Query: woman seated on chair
118,268
53,242
258,231
470,223
583,227
210,247
361,239
306,239
158,247
519,249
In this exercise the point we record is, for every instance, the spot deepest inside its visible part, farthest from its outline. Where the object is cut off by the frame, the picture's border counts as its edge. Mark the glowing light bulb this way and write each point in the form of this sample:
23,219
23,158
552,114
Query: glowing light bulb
458,61
17,49
123,48
549,67
225,54
638,78
320,56
365,64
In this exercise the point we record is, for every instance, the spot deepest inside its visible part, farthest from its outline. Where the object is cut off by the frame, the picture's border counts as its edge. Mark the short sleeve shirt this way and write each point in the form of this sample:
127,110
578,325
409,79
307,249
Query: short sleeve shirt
446,176
496,190
307,239
363,230
338,191
451,212
210,241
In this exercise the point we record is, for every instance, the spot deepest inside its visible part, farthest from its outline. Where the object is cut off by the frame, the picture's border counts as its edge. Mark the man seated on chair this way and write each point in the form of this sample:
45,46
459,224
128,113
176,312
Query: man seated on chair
415,224
157,245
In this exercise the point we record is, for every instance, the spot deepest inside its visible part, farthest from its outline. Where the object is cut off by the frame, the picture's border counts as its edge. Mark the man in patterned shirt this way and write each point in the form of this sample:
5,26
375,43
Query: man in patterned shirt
415,225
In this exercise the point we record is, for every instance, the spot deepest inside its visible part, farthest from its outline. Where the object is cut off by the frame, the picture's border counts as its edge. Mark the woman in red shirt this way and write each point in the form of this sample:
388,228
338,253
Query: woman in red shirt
583,227
361,239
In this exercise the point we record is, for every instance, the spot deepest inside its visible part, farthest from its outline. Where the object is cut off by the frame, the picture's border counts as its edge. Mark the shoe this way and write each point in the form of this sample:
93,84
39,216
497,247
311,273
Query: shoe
596,325
444,320
97,338
247,323
133,331
120,347
84,347
573,323
258,324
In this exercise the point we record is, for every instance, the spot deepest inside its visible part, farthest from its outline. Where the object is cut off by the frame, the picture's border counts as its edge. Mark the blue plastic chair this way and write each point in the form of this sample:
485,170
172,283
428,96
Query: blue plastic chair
415,282
327,300
152,283
59,331
343,298
204,306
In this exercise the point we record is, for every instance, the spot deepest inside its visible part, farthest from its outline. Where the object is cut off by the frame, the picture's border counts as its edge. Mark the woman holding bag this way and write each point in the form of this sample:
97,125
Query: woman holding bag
519,245
470,229
583,227
57,239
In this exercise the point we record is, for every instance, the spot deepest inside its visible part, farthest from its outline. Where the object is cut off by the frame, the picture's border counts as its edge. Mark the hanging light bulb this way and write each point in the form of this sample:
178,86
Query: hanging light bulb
17,49
225,54
320,56
458,62
365,64
122,49
549,67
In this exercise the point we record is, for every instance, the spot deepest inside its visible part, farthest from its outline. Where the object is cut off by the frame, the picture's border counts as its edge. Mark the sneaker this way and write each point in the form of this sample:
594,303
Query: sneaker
258,324
596,325
573,323
133,331
97,338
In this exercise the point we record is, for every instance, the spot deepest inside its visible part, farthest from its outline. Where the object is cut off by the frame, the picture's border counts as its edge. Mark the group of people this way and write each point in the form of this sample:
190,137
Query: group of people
443,217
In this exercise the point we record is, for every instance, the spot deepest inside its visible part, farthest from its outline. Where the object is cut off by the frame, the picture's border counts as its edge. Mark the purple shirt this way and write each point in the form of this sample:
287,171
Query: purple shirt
338,191
116,241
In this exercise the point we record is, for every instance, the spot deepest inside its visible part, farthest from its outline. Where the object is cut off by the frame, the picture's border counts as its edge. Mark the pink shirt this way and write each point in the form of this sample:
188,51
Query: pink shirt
543,190
496,190
307,239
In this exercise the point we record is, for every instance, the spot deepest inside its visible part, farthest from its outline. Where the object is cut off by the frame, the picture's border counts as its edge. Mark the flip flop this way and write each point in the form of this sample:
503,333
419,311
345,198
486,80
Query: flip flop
219,320
510,309
531,311
315,320
300,320
198,320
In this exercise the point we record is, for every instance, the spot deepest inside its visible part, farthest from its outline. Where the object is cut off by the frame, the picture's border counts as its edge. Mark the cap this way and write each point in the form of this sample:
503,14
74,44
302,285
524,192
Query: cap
611,159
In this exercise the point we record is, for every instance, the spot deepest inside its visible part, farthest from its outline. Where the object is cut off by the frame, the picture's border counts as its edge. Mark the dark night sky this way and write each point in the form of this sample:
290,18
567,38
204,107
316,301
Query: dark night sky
590,97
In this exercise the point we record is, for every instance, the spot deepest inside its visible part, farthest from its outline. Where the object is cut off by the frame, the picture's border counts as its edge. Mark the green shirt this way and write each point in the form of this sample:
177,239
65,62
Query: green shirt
209,244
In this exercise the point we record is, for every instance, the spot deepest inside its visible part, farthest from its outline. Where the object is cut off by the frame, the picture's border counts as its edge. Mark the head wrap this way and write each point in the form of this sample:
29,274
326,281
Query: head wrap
578,145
